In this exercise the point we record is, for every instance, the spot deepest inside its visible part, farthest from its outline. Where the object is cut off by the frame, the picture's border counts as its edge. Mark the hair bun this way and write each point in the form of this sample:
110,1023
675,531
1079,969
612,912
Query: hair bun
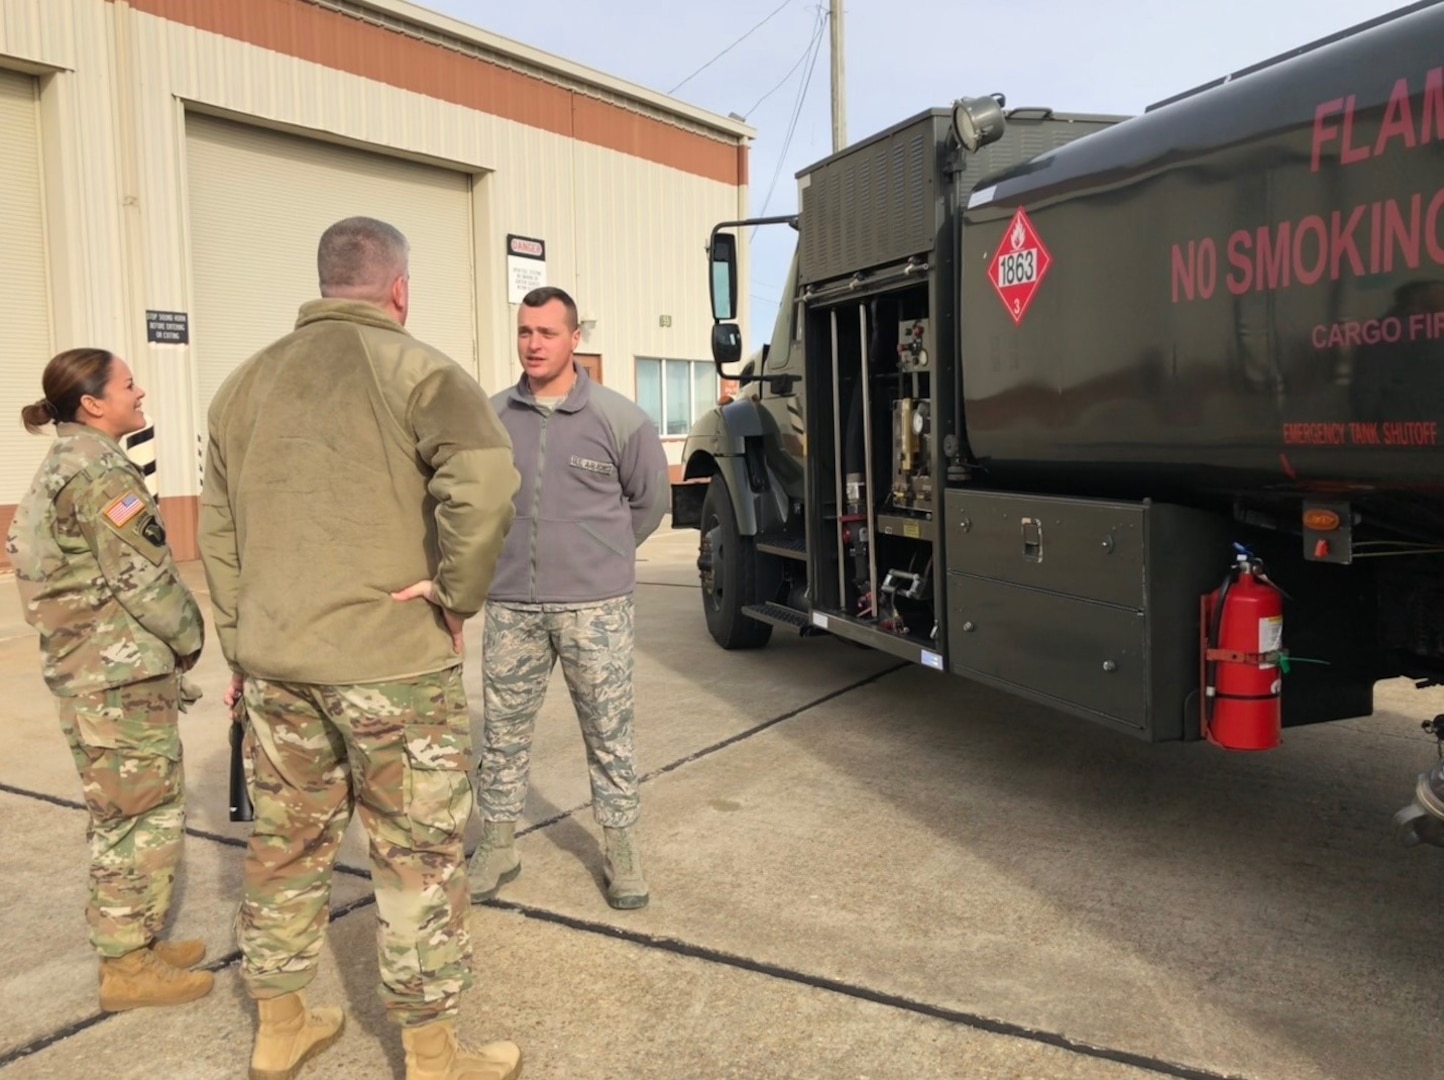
50,410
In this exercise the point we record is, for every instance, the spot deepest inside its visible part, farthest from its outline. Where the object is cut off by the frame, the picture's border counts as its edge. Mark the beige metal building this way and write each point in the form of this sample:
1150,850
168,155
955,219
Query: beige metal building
166,167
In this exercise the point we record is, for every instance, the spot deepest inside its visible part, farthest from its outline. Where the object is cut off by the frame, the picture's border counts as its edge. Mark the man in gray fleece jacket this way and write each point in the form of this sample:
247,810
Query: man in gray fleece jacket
593,486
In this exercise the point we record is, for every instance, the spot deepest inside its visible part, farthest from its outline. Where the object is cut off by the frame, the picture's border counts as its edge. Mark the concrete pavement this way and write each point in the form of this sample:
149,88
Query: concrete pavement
857,870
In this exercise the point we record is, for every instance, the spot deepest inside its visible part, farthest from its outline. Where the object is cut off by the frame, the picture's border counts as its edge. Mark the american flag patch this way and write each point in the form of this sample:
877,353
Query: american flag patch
124,508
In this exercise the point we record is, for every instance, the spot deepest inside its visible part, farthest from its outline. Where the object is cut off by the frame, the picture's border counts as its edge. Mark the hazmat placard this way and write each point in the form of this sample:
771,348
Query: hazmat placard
1019,265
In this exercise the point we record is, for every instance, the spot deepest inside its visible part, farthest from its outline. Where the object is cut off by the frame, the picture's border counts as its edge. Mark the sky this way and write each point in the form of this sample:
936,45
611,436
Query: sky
901,57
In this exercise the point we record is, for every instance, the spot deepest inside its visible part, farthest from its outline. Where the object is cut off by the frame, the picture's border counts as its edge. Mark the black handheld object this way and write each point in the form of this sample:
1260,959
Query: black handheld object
241,808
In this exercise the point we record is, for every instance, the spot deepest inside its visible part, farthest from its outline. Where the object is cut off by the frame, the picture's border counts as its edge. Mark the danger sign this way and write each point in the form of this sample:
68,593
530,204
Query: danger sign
1019,265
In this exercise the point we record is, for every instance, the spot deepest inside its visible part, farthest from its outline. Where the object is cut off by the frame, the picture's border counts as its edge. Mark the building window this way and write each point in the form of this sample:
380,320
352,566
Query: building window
674,393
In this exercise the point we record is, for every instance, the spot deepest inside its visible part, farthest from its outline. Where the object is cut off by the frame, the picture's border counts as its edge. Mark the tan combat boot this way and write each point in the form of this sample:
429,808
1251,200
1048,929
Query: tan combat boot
290,1034
180,954
142,978
626,887
432,1053
495,861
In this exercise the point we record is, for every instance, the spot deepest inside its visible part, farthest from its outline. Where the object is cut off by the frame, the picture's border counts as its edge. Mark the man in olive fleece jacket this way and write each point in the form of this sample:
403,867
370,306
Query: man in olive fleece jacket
348,461
358,492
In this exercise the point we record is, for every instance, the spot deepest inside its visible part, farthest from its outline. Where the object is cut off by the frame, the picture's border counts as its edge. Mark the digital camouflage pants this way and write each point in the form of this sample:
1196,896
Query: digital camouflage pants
399,753
522,644
127,749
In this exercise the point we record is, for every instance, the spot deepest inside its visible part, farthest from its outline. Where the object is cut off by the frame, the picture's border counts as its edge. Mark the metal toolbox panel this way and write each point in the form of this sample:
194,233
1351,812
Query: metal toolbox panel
1085,548
873,204
1072,651
889,196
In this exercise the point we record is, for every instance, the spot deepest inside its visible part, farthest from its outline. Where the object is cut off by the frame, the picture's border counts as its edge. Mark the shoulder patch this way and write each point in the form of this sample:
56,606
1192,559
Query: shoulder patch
153,531
121,510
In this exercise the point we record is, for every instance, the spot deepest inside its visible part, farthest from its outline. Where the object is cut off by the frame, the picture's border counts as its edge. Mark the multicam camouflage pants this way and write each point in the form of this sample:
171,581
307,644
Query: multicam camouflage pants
521,646
127,750
398,752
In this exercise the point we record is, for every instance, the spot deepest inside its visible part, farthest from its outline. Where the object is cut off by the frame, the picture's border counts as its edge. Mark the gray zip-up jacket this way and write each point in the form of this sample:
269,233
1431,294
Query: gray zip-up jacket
593,486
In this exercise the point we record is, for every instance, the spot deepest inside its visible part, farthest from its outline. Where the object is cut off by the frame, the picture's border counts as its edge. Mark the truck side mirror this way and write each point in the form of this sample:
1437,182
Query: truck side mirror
723,263
726,346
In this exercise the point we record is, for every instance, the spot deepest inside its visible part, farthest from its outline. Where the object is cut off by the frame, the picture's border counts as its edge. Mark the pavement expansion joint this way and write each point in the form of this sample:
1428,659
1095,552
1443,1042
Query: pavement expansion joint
678,947
40,796
731,740
976,1021
741,736
47,1041
672,945
190,830
220,963
217,965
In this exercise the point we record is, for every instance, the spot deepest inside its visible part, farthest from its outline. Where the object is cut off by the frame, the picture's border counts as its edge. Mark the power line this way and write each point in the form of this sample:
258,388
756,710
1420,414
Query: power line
796,113
729,48
786,78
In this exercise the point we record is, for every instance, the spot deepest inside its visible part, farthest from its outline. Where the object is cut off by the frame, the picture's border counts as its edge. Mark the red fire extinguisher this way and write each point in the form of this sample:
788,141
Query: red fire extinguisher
1243,645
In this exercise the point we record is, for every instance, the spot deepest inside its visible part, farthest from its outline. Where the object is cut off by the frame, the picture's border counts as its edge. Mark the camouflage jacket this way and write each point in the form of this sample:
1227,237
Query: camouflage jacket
95,575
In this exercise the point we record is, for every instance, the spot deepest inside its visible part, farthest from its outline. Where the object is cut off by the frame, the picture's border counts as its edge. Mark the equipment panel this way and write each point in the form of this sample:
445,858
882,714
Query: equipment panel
1085,604
890,196
1083,548
1076,652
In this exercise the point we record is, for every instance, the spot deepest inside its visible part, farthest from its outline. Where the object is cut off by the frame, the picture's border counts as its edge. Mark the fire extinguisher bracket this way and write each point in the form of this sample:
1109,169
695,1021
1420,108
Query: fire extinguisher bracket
1233,656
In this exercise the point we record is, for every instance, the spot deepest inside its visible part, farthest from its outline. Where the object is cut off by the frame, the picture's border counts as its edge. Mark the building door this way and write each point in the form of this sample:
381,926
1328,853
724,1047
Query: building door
259,201
592,362
27,285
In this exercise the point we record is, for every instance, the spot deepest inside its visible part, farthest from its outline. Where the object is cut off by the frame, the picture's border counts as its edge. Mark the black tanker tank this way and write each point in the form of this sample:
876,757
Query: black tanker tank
1240,292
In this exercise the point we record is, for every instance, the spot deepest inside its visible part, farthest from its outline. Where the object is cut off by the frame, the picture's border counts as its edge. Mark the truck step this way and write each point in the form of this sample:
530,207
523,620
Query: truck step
778,615
788,547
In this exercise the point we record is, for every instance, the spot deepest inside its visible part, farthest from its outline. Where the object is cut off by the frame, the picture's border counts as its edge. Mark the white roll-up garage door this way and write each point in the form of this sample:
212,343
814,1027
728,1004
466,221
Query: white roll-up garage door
259,201
27,342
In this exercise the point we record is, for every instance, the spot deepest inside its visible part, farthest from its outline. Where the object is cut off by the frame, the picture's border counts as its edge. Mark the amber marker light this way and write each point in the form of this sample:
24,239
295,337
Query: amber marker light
1321,520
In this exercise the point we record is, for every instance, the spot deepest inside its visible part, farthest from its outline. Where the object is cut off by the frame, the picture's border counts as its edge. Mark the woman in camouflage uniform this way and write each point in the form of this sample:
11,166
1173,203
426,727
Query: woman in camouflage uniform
117,628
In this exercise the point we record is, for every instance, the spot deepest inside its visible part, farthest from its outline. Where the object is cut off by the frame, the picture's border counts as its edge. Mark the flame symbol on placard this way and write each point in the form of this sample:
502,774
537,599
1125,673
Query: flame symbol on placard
1019,236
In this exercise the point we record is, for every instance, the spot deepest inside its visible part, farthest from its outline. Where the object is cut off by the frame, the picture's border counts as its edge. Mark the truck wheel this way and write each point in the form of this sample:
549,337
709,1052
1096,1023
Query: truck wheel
727,565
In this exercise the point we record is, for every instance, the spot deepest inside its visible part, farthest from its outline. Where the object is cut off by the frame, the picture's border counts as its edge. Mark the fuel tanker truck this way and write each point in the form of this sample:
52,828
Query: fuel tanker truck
1134,417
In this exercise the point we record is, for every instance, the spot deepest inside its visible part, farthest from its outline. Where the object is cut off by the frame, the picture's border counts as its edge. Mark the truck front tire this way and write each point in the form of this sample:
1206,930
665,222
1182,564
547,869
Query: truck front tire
727,566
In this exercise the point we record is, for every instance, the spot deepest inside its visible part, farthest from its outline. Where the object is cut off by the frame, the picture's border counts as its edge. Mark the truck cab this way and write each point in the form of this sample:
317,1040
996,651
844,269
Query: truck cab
748,474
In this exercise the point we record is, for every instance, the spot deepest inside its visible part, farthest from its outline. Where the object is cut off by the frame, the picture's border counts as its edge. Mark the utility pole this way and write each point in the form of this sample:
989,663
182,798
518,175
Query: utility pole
839,84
